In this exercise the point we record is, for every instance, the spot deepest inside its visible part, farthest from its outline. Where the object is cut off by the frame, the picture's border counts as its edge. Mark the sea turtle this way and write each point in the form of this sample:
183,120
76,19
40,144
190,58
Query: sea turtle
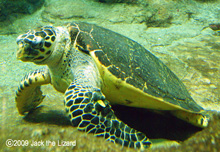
95,67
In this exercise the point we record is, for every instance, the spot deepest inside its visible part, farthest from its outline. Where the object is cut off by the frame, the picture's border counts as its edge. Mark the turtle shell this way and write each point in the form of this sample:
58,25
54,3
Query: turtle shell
131,75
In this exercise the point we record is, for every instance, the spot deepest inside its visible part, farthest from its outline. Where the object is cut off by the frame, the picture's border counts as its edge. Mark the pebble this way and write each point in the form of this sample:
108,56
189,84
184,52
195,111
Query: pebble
205,81
212,86
39,132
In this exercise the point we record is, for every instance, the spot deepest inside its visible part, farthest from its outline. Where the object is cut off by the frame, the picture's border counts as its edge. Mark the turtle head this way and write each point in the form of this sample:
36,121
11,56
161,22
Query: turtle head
36,45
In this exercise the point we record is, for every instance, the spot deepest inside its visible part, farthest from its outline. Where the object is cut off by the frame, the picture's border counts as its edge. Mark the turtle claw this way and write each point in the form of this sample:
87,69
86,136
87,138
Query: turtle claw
101,103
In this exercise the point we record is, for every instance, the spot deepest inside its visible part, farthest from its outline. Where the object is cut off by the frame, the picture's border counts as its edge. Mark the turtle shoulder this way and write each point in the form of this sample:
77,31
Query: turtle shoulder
131,63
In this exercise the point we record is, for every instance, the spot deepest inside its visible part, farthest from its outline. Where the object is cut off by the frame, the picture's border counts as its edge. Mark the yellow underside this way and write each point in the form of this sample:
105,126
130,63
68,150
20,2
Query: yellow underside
120,92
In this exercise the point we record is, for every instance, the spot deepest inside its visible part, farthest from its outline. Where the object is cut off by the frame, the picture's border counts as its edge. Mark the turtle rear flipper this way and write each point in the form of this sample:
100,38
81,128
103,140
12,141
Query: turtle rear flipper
200,119
29,95
90,112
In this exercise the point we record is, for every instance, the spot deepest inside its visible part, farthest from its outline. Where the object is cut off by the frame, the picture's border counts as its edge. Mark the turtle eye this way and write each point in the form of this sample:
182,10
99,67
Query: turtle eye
37,43
34,42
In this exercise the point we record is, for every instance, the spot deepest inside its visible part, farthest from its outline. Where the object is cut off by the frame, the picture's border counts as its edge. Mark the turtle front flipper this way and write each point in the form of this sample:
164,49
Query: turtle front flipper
90,112
29,94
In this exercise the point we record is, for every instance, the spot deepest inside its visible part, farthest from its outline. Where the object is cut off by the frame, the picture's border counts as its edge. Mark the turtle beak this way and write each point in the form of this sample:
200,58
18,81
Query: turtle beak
23,52
20,52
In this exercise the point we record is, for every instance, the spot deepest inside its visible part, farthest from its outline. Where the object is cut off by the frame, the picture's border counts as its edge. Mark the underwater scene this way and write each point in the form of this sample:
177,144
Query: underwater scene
110,75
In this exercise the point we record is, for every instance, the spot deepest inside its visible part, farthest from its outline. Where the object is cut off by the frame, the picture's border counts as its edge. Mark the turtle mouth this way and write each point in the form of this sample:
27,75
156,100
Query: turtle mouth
26,53
23,57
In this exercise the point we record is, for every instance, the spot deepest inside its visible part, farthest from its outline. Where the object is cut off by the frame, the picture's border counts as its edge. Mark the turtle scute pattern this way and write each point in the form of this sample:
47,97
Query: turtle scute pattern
90,112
